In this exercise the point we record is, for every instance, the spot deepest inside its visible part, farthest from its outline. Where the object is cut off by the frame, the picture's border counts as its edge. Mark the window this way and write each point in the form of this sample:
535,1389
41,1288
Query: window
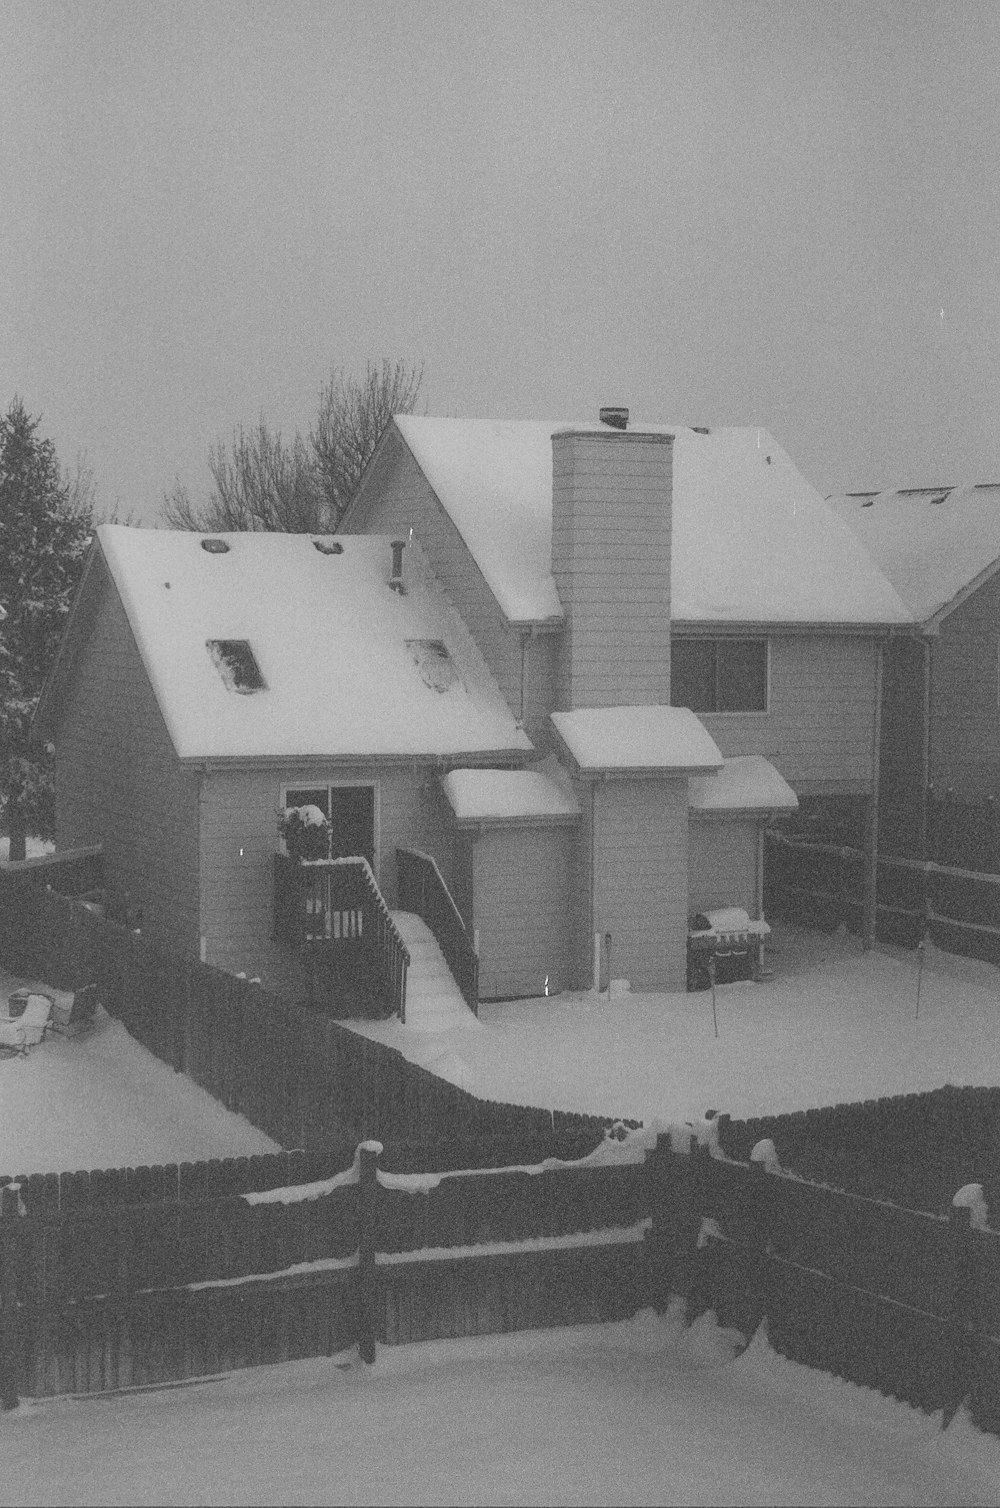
719,675
235,662
351,812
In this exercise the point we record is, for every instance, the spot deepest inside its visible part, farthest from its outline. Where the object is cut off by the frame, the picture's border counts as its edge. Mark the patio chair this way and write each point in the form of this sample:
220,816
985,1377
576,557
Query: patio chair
79,1016
28,1029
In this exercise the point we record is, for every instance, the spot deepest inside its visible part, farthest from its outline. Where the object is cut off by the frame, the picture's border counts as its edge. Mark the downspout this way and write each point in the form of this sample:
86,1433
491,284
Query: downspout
925,763
871,886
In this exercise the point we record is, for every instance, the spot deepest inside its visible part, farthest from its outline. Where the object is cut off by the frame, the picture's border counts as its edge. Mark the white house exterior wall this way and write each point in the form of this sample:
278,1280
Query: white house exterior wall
521,879
722,863
818,729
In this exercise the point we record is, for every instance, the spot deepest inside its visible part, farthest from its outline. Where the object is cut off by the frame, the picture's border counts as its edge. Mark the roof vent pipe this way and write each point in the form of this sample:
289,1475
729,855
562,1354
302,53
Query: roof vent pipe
616,418
396,579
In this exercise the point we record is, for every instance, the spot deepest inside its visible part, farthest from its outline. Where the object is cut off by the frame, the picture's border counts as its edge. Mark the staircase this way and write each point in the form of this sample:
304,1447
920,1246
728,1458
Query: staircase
433,1000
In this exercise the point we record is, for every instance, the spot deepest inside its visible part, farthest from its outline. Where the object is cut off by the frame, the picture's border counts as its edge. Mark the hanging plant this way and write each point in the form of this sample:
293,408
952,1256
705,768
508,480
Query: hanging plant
305,833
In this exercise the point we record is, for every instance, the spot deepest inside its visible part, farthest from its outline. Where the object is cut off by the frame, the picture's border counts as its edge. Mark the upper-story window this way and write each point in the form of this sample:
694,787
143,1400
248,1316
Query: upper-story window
719,675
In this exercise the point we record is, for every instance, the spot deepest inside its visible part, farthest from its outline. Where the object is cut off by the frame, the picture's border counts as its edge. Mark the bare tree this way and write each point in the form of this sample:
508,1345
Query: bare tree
262,482
352,417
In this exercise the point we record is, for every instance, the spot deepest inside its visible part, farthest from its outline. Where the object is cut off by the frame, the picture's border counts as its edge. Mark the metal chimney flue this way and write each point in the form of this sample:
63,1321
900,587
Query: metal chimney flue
615,418
396,579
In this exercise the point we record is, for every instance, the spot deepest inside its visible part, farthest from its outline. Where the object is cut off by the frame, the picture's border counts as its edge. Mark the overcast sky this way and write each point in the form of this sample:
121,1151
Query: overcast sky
784,214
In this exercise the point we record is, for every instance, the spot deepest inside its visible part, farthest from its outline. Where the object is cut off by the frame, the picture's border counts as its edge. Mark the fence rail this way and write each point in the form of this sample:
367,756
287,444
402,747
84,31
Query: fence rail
422,890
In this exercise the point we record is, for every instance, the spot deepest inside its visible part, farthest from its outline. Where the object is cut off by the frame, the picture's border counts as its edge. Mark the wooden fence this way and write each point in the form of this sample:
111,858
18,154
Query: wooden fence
100,1296
893,1299
913,1149
822,884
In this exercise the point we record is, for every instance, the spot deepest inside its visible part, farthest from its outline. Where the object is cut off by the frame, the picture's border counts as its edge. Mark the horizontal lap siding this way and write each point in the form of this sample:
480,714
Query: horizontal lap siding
611,502
819,726
722,864
397,497
640,879
119,783
521,885
965,697
239,812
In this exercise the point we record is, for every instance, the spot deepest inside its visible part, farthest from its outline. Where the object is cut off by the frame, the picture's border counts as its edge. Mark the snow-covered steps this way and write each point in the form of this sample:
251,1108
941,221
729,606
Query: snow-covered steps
433,999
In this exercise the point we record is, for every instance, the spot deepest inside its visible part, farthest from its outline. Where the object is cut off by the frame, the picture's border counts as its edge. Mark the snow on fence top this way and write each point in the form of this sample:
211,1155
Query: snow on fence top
752,540
331,638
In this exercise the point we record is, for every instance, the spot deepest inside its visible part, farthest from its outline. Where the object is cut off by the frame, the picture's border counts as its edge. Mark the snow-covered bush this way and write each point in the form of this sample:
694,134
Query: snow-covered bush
305,832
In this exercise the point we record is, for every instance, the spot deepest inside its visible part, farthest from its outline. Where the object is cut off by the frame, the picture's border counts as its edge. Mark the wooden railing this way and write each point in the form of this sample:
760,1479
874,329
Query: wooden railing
334,901
422,890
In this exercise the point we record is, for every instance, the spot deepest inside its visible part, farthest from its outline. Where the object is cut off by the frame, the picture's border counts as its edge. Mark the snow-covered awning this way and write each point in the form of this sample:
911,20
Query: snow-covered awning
749,783
650,740
509,797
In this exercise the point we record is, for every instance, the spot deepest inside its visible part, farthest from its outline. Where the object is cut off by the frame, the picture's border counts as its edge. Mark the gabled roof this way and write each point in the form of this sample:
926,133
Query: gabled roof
349,666
933,543
752,541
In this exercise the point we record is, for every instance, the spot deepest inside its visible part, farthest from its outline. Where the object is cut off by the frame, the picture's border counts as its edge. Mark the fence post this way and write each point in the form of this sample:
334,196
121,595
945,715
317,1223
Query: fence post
673,1234
963,1348
9,1327
368,1155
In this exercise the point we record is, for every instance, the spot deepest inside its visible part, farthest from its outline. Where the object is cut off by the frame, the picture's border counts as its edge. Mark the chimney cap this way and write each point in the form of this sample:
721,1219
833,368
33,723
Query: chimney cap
616,418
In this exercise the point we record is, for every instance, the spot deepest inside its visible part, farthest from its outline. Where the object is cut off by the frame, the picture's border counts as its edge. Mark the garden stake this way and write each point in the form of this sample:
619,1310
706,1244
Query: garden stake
711,980
920,973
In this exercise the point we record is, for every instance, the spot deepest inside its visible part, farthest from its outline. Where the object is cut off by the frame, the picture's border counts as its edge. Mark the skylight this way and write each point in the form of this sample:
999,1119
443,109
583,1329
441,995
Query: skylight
432,659
237,665
328,546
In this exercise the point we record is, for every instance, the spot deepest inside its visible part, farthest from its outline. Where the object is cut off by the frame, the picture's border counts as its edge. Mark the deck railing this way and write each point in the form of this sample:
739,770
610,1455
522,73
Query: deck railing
422,890
331,901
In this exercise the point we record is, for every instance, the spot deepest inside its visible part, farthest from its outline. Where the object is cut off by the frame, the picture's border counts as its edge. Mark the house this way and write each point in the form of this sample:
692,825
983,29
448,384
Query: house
940,548
545,688
616,575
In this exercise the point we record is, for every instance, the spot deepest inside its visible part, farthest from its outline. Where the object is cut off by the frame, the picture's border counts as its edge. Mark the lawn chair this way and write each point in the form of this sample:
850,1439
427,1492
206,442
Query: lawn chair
27,1029
79,1016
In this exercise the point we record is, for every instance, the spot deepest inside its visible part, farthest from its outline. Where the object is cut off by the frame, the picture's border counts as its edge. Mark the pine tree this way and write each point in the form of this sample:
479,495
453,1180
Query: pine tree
44,526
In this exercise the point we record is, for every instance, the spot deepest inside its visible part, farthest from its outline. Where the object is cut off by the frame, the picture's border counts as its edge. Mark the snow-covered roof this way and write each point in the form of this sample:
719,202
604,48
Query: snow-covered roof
748,783
508,796
349,666
667,739
752,540
931,542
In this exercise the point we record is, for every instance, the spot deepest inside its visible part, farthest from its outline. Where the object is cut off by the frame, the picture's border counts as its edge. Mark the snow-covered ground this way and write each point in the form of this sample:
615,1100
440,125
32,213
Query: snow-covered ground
641,1412
833,1024
34,848
103,1101
636,1413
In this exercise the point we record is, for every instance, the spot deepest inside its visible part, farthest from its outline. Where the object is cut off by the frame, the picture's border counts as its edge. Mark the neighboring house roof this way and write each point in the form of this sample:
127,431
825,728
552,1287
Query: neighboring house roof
349,666
747,783
752,541
508,796
935,544
665,740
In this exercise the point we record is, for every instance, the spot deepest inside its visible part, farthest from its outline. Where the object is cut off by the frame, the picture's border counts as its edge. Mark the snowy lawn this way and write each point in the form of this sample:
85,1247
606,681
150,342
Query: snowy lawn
102,1101
640,1412
833,1024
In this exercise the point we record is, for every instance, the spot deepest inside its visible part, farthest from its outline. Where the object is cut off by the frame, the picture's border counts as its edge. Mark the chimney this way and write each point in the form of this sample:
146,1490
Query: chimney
615,418
396,579
611,519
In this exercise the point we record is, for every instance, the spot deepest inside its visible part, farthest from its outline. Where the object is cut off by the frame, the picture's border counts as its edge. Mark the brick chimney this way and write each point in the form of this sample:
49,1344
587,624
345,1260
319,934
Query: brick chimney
611,508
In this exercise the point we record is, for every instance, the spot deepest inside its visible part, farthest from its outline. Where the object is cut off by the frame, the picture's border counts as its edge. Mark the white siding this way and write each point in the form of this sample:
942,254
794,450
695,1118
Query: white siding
722,863
611,508
819,726
965,697
640,879
521,879
239,839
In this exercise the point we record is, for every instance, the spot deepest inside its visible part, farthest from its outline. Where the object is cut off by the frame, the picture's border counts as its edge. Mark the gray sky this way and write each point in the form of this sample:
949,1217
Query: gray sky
712,211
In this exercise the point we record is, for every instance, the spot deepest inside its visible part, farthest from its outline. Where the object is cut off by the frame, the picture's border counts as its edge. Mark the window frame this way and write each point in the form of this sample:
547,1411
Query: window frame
373,785
715,640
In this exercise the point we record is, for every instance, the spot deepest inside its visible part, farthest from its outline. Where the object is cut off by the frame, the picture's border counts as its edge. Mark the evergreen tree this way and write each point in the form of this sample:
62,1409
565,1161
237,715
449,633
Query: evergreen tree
45,522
